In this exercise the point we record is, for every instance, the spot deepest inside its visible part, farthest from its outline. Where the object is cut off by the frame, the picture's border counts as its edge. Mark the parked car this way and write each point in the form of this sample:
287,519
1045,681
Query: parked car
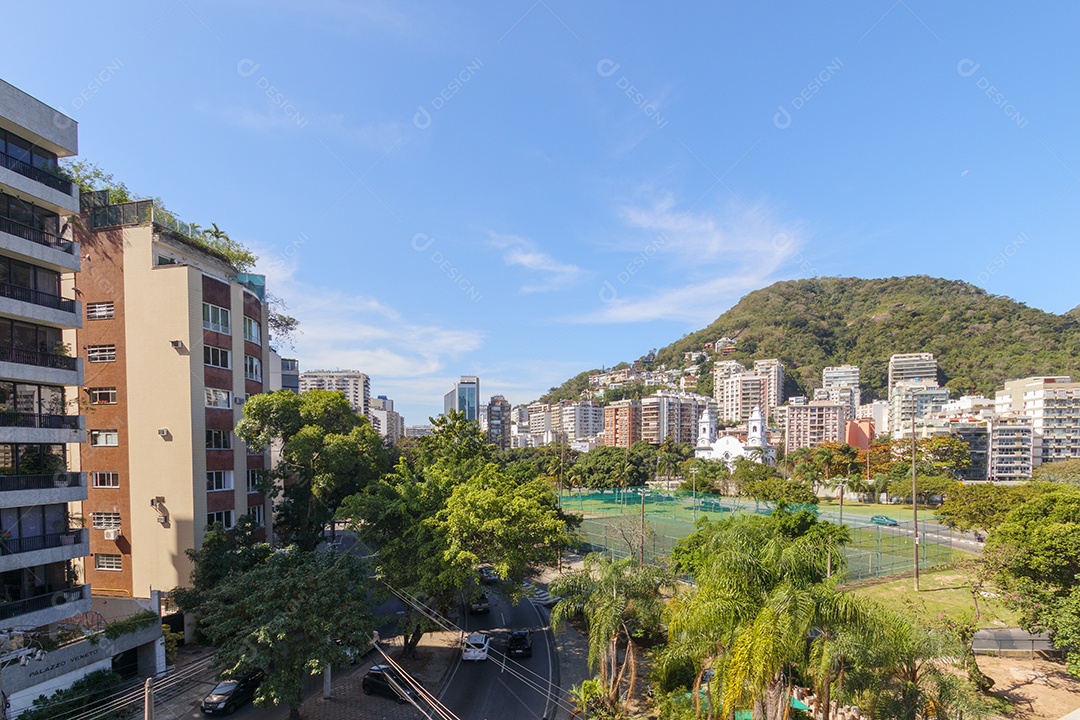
228,695
385,680
488,575
884,520
353,653
476,647
480,604
519,644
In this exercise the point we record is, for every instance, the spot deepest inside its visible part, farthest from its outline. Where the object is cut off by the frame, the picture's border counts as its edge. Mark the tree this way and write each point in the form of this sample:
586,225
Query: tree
1039,546
620,601
1061,471
222,555
926,486
982,506
283,616
328,451
607,467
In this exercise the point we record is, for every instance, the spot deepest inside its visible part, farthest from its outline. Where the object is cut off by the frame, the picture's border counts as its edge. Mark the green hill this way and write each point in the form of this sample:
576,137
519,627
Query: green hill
979,340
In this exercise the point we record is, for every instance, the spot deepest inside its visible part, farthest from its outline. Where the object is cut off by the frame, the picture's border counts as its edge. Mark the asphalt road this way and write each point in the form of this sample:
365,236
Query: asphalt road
501,688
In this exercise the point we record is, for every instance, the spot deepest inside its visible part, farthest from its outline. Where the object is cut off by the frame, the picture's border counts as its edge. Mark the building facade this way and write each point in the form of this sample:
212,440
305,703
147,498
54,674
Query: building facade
498,422
919,368
911,402
811,424
388,422
356,386
738,395
175,341
774,371
1053,405
465,398
622,423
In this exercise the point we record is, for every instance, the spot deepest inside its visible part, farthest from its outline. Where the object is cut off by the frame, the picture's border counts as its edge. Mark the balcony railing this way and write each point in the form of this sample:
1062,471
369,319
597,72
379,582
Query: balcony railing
10,418
42,176
41,602
12,546
41,237
41,359
17,292
45,481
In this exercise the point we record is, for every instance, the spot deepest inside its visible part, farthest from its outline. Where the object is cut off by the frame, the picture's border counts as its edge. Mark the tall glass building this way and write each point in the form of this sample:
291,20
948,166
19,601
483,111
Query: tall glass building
464,397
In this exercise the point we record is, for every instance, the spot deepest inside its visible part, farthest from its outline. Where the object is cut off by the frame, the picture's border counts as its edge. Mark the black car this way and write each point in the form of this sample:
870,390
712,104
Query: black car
480,604
519,644
228,695
384,680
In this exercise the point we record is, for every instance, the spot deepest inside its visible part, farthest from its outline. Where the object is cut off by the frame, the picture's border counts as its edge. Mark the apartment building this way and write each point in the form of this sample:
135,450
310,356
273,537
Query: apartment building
622,423
672,415
841,385
175,340
582,420
387,421
911,402
356,386
1011,448
919,368
811,424
774,371
878,412
738,395
1053,405
498,422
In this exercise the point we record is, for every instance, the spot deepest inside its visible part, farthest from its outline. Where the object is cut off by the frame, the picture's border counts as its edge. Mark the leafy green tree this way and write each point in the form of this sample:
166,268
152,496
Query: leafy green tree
1060,471
328,451
607,467
926,486
621,602
779,490
223,554
1039,546
982,506
283,616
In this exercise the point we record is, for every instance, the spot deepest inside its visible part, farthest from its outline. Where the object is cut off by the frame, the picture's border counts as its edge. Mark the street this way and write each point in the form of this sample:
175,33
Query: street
501,688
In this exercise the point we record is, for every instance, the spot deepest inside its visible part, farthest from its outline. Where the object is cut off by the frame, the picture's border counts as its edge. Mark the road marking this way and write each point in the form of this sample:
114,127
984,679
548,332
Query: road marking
502,619
549,639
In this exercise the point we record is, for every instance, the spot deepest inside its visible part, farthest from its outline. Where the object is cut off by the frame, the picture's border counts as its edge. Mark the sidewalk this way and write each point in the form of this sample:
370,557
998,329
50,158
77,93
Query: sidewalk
434,658
572,648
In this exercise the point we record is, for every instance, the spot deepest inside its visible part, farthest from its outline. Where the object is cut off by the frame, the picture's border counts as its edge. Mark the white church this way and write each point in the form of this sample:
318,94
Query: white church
730,448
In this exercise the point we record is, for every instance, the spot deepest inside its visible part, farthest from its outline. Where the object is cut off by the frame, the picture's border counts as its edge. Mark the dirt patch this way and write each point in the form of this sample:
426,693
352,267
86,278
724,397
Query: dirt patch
1037,689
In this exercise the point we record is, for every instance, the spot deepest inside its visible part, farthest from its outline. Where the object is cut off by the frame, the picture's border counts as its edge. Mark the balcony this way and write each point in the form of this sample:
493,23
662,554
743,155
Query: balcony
34,235
10,418
39,550
43,489
36,297
54,606
42,176
40,359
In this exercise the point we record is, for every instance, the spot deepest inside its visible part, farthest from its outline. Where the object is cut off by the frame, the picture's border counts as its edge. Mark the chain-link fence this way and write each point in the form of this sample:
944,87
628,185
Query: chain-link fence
613,525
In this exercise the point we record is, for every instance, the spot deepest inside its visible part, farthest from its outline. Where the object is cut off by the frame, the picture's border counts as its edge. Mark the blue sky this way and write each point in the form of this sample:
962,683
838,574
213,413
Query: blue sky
524,190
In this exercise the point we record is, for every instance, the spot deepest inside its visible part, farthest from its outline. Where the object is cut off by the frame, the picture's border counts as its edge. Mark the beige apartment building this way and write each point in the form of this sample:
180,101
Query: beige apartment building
1053,405
811,424
174,342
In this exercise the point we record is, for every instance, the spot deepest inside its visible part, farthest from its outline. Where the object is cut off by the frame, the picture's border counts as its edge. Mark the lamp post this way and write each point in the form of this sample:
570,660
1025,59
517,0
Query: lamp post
693,473
914,505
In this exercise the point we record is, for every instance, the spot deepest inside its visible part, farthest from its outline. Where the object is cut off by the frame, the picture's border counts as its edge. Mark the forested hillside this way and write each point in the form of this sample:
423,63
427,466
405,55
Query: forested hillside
979,339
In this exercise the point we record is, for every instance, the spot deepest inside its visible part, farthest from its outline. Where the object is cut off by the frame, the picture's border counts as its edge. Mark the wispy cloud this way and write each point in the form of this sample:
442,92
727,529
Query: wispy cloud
697,264
520,252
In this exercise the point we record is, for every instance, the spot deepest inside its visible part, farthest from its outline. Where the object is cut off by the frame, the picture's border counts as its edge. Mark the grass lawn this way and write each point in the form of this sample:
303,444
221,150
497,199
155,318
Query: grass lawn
941,592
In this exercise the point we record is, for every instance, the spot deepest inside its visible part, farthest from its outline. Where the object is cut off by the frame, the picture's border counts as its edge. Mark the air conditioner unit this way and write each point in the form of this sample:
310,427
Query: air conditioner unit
112,534
163,432
238,400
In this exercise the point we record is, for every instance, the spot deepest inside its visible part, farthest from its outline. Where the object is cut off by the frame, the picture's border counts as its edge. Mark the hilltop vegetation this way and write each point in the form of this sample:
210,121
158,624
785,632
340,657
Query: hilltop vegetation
979,339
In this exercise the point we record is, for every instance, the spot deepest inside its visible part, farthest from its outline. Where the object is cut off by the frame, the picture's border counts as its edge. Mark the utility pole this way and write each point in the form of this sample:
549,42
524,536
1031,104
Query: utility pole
693,473
914,505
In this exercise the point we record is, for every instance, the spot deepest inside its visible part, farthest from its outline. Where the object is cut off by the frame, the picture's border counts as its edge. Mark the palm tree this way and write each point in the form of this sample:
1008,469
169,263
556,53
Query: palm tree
619,600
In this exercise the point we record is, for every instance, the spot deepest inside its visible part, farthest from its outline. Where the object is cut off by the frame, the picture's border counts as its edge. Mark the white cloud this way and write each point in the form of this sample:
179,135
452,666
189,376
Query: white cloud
697,264
520,252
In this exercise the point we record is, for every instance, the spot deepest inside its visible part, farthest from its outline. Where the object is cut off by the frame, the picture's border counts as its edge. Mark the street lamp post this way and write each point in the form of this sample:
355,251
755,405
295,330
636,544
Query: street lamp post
693,473
914,505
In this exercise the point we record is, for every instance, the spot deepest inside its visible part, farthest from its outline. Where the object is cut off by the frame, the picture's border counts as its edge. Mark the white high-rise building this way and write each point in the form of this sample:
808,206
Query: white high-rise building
774,371
356,386
836,379
582,420
389,423
1053,404
920,368
739,394
911,402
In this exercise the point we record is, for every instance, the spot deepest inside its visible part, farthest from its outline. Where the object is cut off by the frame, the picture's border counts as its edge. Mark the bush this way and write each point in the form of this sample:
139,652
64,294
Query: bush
83,695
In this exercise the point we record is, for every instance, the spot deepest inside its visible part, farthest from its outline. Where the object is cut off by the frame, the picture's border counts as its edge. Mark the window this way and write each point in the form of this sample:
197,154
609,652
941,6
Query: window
101,353
106,520
215,318
99,311
217,357
252,368
254,477
252,331
258,514
104,438
223,516
105,479
219,480
218,398
102,396
108,562
218,440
